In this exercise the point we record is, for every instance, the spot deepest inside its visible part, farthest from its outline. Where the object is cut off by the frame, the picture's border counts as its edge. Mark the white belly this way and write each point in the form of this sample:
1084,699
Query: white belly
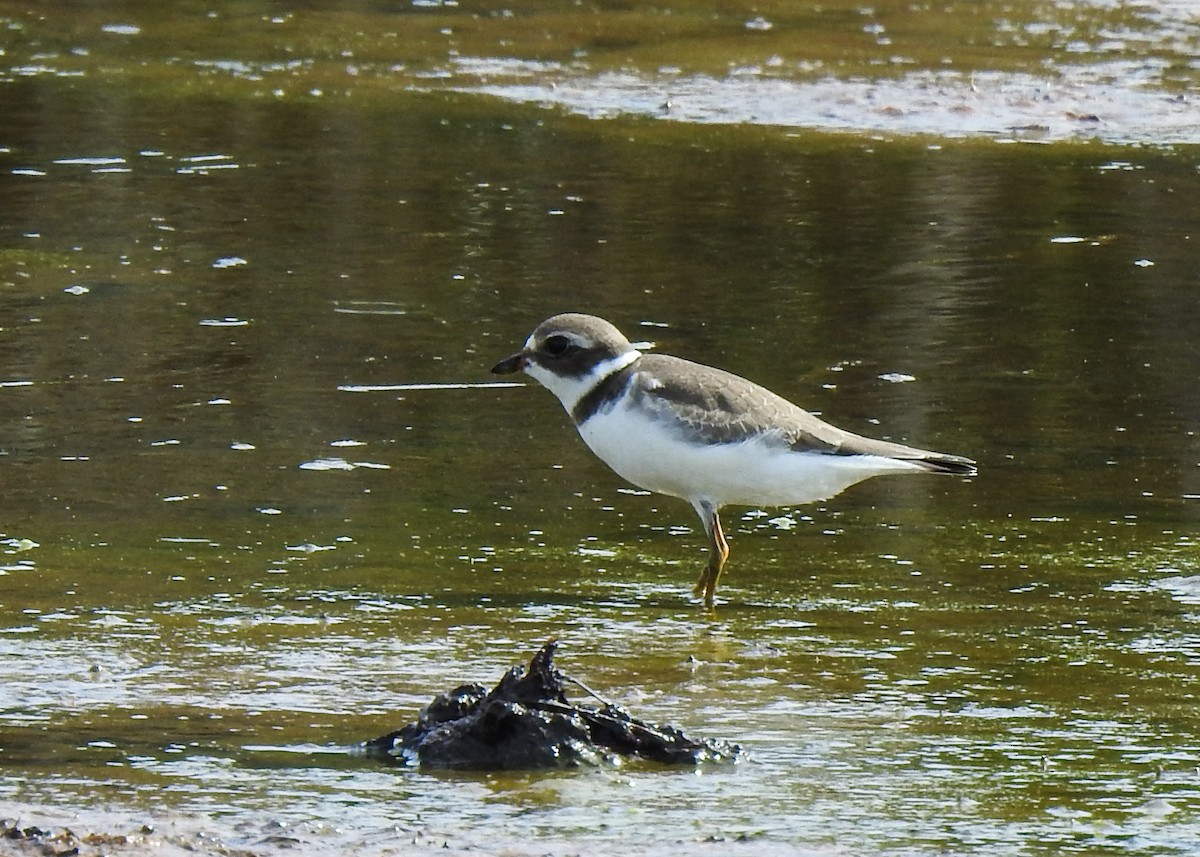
753,473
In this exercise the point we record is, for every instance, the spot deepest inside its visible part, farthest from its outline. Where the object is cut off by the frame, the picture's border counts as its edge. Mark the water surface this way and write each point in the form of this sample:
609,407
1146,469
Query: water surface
262,500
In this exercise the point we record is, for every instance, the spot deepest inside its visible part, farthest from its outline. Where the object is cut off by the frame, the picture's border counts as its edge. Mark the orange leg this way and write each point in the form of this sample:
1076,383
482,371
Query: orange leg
718,552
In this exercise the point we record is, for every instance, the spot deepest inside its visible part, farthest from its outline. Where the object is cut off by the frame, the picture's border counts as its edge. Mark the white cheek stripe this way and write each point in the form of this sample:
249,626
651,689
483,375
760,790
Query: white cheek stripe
613,364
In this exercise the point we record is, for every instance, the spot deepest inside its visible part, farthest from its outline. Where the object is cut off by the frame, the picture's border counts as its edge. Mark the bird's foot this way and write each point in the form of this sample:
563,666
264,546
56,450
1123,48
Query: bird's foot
706,586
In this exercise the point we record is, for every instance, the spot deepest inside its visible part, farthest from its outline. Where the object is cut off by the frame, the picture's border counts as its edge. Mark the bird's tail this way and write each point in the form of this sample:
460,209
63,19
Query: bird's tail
933,462
940,462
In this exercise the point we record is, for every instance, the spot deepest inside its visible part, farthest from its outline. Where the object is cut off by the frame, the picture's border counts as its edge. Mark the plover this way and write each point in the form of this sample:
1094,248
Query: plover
707,436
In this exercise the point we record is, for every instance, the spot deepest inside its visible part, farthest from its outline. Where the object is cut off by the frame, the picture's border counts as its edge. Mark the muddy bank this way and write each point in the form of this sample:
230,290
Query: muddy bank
53,832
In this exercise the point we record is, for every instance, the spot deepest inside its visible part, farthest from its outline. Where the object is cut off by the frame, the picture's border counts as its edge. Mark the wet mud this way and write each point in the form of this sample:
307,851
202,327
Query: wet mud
18,839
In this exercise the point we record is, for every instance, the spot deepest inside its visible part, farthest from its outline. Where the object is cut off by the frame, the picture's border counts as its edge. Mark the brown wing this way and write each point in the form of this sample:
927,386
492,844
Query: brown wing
719,407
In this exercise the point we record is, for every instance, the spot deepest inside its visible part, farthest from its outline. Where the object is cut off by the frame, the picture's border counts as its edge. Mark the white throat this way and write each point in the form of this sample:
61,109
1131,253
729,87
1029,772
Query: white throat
571,389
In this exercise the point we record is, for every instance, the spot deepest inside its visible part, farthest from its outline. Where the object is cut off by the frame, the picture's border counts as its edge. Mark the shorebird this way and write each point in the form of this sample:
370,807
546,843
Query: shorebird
705,435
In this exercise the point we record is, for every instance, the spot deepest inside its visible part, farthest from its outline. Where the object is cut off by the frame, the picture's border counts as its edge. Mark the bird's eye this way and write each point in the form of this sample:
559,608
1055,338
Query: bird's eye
556,346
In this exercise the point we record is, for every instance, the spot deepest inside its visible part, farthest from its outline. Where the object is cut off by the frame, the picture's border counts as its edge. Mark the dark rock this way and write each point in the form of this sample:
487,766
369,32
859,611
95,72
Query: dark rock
526,722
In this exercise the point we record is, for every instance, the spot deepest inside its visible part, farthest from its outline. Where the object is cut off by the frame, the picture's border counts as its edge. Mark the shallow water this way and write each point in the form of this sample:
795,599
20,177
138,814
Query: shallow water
262,498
